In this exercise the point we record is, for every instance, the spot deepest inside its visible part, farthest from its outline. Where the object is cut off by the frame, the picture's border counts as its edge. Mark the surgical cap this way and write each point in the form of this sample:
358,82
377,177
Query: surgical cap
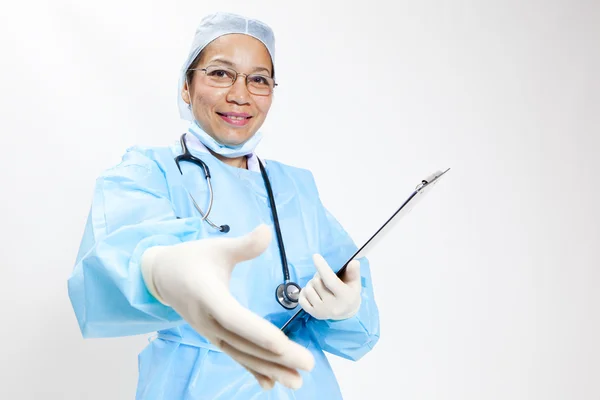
213,26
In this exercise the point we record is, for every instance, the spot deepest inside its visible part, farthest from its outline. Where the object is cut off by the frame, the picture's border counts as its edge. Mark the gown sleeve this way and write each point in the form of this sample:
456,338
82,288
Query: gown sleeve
130,212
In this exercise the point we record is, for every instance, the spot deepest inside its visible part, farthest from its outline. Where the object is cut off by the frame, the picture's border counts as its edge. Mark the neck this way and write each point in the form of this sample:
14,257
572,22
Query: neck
239,162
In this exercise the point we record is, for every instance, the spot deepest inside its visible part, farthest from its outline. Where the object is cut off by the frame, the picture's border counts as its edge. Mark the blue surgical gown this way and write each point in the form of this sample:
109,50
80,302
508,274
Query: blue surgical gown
144,201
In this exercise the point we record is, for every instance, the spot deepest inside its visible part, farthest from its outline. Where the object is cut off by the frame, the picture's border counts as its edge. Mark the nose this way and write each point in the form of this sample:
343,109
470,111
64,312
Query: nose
238,92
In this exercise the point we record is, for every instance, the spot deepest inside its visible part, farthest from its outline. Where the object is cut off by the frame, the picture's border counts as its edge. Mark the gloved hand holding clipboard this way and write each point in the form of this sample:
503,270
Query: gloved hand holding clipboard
422,188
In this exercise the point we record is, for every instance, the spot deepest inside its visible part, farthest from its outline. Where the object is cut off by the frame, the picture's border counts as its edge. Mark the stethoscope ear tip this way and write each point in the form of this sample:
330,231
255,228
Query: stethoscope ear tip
224,228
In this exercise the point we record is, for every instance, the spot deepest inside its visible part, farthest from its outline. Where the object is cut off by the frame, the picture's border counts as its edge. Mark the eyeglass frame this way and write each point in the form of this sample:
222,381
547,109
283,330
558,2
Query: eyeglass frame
237,74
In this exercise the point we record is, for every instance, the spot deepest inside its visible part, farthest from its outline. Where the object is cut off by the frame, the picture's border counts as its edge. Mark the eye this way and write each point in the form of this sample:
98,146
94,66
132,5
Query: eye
219,74
258,80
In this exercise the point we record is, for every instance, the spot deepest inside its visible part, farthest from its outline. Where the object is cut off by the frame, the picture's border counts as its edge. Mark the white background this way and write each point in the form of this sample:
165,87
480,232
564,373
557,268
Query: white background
488,289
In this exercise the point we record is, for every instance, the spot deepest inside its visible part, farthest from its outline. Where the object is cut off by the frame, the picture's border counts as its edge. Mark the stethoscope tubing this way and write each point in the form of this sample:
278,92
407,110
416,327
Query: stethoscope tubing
286,299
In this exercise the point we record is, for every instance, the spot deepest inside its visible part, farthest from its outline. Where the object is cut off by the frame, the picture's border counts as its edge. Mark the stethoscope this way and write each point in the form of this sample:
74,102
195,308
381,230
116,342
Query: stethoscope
288,292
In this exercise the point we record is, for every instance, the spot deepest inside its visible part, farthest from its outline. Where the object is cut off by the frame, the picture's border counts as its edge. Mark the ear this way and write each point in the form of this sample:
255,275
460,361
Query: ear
185,93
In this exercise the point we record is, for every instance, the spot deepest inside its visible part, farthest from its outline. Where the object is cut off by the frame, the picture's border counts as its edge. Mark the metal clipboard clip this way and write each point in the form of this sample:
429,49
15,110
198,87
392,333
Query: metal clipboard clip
430,180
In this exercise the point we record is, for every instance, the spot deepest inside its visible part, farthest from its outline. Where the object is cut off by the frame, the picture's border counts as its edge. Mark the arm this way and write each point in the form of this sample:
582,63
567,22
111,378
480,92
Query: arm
351,338
130,212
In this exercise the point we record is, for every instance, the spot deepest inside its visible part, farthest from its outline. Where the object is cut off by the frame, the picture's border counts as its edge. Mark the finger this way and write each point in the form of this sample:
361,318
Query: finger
264,381
352,275
303,297
288,377
306,306
243,322
312,296
315,312
287,359
324,293
328,277
248,246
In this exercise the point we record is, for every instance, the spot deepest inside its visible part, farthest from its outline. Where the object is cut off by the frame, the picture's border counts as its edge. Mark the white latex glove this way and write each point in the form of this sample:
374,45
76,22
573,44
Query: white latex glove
326,296
193,278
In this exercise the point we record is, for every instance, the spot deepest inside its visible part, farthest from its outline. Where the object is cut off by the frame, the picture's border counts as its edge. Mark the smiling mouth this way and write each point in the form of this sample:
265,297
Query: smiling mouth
235,117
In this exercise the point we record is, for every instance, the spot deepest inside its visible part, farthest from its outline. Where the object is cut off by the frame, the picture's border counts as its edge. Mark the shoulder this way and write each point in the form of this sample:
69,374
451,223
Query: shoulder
140,158
298,174
140,167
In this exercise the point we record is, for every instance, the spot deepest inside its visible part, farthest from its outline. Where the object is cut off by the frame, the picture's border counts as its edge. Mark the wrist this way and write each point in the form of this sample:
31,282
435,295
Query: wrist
351,312
148,266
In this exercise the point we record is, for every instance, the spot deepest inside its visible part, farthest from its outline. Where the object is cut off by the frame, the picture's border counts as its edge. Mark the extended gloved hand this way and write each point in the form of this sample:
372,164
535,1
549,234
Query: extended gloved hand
328,297
193,278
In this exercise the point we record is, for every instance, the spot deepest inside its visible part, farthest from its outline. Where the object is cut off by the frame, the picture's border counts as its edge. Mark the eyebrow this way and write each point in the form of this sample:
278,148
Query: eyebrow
232,65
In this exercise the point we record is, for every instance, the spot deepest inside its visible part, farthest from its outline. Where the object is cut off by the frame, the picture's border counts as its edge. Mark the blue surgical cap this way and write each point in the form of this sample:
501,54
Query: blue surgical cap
213,26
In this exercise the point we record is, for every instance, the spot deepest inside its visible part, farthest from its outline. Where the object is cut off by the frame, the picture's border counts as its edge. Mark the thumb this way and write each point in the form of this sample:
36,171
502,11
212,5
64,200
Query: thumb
352,273
248,246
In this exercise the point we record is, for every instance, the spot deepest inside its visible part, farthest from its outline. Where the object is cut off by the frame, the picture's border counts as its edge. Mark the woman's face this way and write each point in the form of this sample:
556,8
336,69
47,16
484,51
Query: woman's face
231,115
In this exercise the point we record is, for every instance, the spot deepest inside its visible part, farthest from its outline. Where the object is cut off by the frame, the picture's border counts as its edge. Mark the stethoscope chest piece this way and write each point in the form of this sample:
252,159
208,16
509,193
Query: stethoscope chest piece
288,294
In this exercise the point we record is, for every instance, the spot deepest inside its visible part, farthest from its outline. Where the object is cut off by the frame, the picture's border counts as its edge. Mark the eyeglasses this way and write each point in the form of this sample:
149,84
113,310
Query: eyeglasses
222,77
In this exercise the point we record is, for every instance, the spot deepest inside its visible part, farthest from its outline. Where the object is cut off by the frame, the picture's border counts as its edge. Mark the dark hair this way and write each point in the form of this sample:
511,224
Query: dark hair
189,74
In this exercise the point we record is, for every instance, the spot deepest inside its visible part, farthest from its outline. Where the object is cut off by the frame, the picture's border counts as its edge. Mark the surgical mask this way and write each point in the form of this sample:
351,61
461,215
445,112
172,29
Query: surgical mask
224,150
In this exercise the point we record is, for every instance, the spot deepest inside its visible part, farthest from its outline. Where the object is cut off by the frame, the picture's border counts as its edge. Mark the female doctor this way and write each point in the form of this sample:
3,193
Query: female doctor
180,241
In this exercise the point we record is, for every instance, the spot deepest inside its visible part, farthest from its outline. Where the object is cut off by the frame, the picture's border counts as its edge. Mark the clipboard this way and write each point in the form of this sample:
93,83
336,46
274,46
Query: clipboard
418,193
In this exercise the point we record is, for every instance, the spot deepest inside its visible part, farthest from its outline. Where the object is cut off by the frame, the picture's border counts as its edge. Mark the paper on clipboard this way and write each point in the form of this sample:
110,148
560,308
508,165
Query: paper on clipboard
422,188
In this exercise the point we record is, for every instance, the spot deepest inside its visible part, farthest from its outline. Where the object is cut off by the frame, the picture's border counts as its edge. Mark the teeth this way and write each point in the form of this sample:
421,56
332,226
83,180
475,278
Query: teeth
236,118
